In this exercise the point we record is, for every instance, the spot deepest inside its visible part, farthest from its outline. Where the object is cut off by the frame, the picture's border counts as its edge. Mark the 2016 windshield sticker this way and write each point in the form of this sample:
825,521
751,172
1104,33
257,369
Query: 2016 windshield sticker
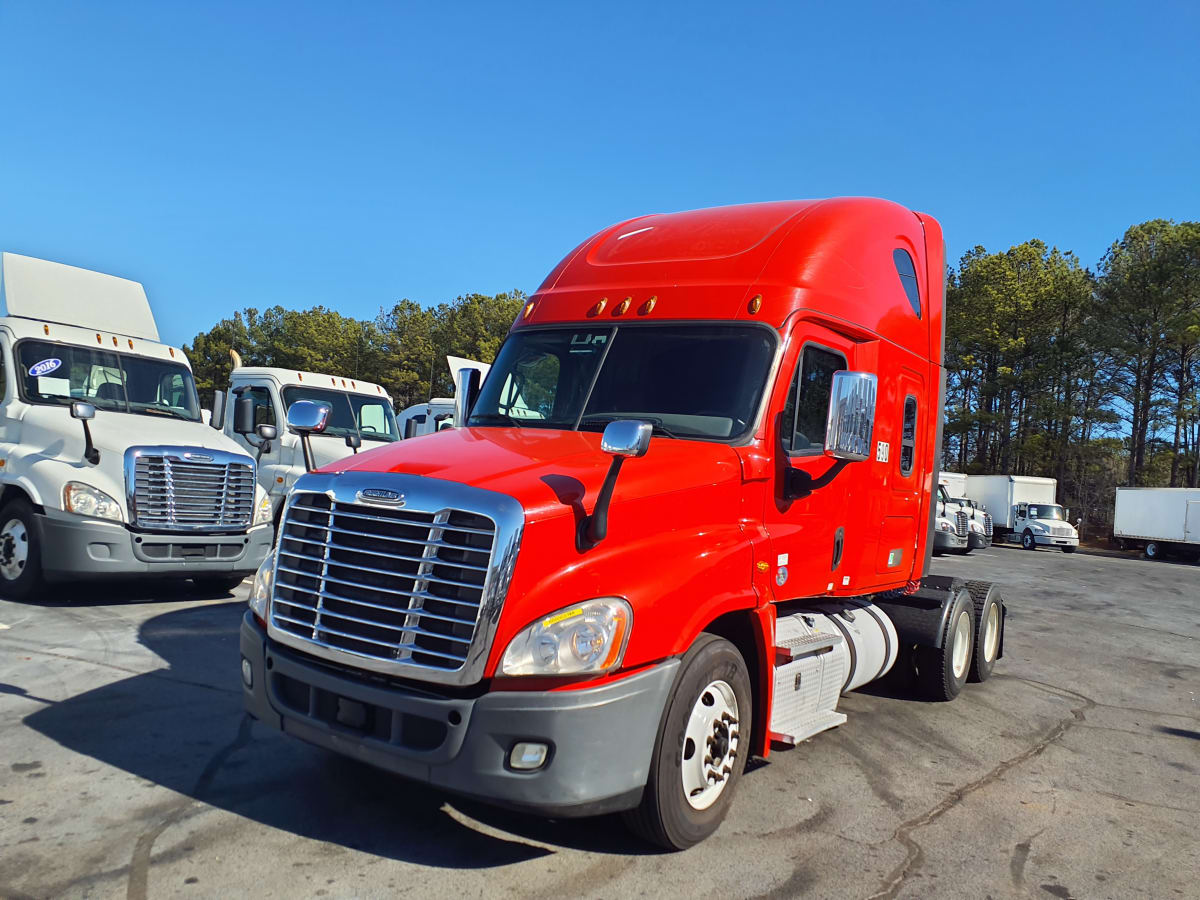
45,367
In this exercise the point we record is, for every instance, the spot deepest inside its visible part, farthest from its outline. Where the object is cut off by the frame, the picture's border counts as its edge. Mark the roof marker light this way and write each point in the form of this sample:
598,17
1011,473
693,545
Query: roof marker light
46,329
599,307
299,377
648,305
116,343
99,340
756,304
622,306
172,349
131,343
528,308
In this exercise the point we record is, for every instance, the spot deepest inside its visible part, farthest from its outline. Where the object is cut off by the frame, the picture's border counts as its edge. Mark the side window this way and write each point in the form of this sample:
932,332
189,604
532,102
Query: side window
264,410
807,408
908,437
3,372
908,278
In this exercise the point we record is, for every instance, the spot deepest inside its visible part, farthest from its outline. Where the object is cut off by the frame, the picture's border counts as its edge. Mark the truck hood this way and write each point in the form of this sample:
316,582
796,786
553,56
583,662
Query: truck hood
116,431
548,471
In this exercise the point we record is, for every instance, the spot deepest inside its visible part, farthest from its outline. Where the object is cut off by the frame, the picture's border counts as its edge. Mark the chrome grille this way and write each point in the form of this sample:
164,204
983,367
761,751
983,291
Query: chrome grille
961,526
172,489
1061,530
388,584
987,524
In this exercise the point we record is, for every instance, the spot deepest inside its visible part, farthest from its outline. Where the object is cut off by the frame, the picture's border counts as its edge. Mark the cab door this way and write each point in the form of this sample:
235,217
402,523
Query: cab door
808,516
273,466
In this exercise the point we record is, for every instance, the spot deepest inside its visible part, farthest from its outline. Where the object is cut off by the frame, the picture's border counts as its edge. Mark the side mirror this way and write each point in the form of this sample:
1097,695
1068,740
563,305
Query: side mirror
354,441
85,412
218,410
850,426
626,438
243,415
266,432
306,418
623,439
410,427
466,392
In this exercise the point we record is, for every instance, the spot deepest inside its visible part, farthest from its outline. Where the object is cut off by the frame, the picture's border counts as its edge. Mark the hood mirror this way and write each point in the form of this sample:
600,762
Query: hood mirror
306,418
850,428
354,441
85,412
623,439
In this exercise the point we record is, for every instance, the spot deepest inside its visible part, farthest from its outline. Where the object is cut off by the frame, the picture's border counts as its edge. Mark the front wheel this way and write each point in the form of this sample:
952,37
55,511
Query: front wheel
701,750
1153,551
217,584
1028,541
20,555
1069,549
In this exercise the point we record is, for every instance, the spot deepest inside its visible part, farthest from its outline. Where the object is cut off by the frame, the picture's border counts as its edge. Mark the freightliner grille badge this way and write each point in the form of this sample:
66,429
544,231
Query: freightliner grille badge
382,496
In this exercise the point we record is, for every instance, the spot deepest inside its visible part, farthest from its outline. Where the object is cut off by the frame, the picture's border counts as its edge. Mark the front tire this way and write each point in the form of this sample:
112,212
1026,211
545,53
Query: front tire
942,671
1153,551
1028,541
217,584
20,555
701,751
1069,549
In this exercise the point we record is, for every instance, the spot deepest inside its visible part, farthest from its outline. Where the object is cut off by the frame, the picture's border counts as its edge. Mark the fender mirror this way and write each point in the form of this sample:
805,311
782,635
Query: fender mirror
306,418
85,412
354,441
850,427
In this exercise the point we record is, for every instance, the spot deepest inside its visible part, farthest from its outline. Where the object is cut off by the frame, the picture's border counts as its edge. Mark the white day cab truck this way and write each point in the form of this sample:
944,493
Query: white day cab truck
1025,510
1161,521
961,512
106,466
360,416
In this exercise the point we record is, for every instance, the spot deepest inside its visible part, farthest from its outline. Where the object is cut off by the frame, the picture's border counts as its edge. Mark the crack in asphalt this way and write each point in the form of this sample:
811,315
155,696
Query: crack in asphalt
139,864
914,854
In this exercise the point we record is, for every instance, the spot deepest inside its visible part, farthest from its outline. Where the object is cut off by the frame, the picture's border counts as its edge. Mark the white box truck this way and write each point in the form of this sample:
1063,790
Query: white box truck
360,416
979,521
1162,521
106,467
1025,509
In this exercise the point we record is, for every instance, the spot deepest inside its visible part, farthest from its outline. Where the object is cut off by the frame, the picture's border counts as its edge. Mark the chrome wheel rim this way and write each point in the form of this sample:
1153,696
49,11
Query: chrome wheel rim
14,549
710,745
962,644
991,632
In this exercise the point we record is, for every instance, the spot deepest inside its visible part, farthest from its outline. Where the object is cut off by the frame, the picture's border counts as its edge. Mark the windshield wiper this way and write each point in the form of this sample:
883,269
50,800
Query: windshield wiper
494,419
162,411
656,425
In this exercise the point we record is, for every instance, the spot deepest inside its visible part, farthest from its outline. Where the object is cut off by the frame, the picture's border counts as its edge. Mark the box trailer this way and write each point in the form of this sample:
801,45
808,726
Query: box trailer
1025,509
1161,521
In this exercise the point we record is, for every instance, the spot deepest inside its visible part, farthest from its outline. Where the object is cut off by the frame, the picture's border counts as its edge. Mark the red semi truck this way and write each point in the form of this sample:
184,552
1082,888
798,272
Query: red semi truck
632,565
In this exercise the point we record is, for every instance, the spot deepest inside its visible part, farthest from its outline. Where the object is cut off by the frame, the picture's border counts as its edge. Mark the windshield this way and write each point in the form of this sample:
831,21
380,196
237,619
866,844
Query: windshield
688,381
1046,512
370,417
61,374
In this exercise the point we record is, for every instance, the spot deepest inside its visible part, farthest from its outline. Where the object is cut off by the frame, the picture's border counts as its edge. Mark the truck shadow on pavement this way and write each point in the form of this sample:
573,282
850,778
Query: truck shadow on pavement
183,728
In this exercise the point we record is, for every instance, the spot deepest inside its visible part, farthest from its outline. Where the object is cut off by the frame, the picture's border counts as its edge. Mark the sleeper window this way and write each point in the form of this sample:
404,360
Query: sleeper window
908,278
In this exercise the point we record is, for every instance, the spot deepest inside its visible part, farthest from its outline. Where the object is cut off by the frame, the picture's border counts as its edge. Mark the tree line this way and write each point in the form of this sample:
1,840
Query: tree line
1090,376
1087,376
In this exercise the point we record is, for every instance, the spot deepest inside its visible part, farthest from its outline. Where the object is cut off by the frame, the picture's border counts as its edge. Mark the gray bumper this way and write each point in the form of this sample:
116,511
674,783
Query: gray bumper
600,739
1052,540
75,547
948,540
979,541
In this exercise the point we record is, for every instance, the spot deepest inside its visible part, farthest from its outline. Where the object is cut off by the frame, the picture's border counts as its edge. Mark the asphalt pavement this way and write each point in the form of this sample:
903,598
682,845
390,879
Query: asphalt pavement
129,770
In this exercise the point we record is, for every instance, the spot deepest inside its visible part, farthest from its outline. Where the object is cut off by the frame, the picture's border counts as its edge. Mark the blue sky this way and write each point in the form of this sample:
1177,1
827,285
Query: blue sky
351,154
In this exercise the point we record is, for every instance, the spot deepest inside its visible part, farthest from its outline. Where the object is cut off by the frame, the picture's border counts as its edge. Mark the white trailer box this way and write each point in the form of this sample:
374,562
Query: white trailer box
106,466
1025,506
955,483
1163,521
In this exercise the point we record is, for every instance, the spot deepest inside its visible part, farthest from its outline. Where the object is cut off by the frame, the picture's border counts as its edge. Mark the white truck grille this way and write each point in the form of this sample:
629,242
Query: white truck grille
987,524
174,489
961,526
387,584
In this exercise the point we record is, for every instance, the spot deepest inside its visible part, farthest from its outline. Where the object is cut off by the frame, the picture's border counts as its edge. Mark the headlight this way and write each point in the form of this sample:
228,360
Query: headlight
945,526
262,507
587,637
260,591
1038,526
85,500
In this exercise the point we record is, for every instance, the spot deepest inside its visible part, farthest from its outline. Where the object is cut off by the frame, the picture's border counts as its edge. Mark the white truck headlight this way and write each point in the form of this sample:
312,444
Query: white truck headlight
262,507
945,526
1039,527
587,637
260,591
85,500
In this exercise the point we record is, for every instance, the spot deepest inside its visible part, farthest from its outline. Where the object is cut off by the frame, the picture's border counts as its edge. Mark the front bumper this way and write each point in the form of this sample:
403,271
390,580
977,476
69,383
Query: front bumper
1054,540
979,541
948,540
601,739
75,547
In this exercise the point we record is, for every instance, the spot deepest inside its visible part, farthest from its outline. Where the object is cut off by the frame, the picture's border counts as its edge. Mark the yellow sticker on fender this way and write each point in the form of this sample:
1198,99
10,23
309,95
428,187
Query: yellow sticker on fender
562,617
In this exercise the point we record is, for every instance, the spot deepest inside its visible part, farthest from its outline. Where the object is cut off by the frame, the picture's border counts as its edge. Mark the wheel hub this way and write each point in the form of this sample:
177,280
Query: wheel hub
711,744
14,549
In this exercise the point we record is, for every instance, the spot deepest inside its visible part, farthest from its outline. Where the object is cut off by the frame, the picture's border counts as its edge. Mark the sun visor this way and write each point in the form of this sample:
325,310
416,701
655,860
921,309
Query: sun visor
53,292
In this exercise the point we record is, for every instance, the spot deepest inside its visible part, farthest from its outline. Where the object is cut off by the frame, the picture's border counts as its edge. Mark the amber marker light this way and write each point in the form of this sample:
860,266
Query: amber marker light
622,306
599,307
648,306
756,304
528,309
46,329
